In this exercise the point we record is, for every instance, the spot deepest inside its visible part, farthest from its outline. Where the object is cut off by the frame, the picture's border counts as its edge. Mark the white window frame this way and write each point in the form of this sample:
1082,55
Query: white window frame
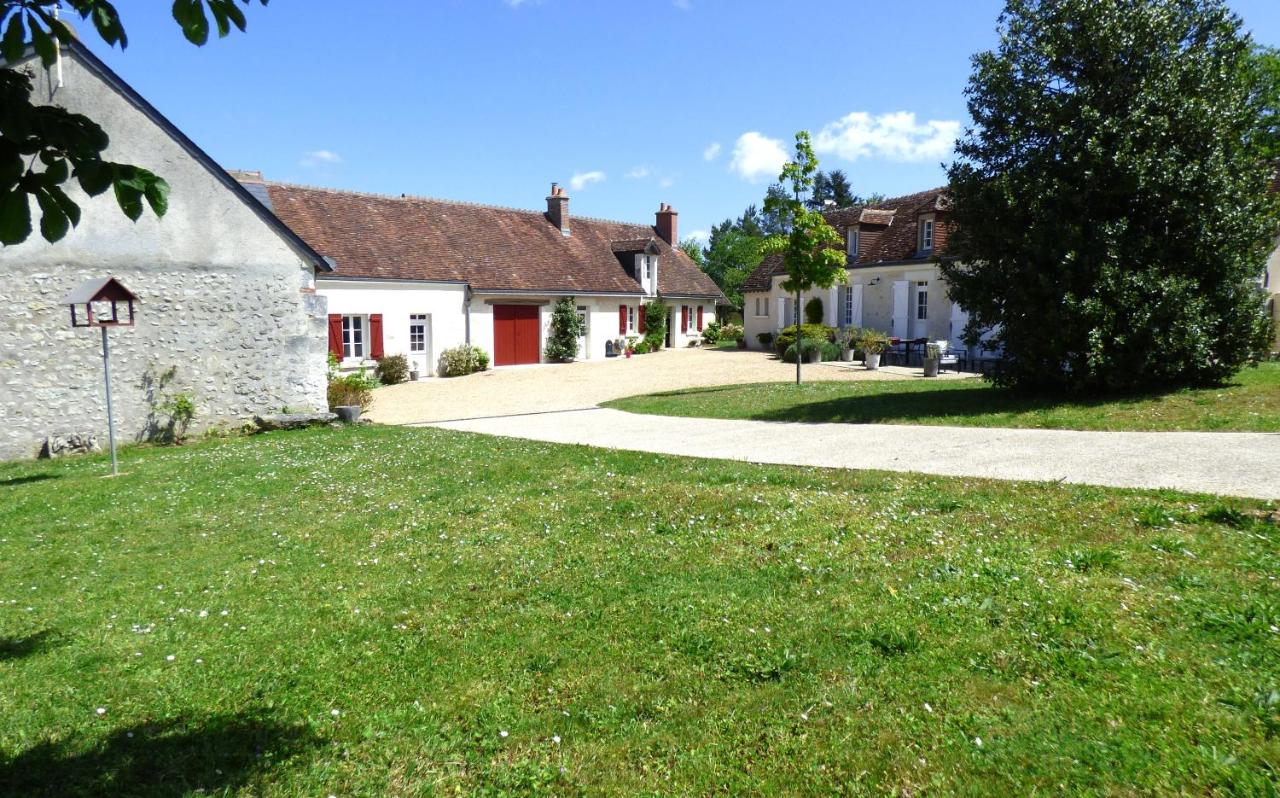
926,234
848,304
355,327
631,318
851,246
418,321
922,308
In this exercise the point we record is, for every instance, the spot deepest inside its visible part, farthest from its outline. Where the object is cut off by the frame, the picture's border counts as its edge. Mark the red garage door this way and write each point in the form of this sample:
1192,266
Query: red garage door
515,335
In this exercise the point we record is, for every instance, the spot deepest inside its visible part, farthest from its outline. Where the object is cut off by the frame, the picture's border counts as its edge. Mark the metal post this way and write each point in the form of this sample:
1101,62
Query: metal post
111,422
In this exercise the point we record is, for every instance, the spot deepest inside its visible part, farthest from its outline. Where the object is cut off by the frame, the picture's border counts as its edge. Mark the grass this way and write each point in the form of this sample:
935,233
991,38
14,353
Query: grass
386,611
1250,403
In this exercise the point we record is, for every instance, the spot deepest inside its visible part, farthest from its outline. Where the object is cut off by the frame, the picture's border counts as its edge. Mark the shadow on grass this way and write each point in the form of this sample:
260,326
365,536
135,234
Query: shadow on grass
218,754
11,481
19,647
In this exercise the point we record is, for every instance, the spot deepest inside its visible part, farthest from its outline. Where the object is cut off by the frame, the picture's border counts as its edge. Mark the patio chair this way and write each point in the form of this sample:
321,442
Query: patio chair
946,357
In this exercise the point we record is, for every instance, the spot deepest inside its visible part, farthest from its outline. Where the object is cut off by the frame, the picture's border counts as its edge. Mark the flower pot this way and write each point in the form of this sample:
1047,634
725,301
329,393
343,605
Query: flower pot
813,356
873,361
846,355
931,366
413,376
348,414
628,354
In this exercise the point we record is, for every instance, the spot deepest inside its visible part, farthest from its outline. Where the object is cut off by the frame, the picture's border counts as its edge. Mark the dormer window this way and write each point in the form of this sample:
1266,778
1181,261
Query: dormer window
926,233
852,244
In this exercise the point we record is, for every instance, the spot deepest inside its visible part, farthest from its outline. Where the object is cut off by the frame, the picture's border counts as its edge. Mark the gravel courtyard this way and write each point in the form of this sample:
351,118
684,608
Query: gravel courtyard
549,388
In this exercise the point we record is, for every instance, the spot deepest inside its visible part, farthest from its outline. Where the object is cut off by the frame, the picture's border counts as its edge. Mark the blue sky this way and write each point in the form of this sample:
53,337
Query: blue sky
628,102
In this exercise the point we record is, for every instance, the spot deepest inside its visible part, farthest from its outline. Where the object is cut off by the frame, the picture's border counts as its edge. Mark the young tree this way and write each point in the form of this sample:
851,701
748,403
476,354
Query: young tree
811,250
692,248
43,147
1111,199
565,330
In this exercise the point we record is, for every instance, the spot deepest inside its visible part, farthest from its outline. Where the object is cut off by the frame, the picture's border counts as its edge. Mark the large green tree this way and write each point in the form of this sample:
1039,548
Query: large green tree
811,249
42,147
1111,198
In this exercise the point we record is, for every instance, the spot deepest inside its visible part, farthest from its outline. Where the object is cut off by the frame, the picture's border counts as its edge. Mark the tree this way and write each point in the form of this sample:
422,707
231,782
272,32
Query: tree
831,186
44,147
693,249
1111,200
731,255
811,250
565,330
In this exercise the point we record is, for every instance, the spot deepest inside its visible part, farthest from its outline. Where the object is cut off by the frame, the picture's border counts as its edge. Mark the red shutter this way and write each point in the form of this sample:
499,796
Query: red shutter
375,336
335,335
641,320
699,318
622,319
684,318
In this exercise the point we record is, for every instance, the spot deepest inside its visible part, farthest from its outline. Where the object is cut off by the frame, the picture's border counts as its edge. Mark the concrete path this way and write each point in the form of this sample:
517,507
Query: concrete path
1228,463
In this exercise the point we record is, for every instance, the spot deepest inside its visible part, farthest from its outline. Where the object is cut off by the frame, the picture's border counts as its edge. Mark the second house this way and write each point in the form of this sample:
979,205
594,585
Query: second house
416,276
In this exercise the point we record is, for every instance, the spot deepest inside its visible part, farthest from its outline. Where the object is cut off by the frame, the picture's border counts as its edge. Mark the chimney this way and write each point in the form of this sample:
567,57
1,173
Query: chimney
558,208
667,225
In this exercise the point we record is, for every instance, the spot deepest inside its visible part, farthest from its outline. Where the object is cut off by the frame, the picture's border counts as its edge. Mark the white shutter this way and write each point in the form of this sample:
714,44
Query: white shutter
899,324
855,305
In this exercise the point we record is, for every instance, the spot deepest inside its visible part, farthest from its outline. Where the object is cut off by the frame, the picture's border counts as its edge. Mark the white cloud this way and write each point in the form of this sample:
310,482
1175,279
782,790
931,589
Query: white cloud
895,137
666,182
701,236
756,157
638,173
320,158
583,179
711,152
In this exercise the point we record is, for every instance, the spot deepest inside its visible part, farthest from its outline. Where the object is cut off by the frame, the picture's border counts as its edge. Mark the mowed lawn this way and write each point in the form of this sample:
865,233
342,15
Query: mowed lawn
391,611
1250,402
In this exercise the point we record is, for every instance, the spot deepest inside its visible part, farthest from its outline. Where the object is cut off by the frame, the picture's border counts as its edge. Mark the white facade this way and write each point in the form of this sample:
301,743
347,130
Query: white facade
421,319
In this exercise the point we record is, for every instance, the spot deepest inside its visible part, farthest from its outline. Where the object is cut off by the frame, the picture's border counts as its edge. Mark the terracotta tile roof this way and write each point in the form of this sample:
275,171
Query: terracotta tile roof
632,244
494,249
887,234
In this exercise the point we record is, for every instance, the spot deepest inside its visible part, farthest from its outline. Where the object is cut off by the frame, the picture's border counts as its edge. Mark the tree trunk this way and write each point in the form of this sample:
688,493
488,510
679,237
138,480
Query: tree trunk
799,340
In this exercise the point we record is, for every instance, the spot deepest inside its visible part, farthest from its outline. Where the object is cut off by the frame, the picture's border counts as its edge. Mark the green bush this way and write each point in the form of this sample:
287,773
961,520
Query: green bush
392,369
873,342
463,360
655,324
566,328
352,389
829,350
731,332
641,348
818,332
813,311
765,339
712,333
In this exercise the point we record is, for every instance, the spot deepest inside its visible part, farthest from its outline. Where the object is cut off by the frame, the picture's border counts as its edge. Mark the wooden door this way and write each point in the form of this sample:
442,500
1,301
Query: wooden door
516,335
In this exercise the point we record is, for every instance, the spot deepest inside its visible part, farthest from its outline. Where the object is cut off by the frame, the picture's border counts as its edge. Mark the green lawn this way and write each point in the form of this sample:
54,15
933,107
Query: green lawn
387,611
1250,403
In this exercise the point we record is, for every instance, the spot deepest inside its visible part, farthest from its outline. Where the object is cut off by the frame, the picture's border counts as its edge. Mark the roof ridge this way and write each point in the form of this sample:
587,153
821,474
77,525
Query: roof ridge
422,198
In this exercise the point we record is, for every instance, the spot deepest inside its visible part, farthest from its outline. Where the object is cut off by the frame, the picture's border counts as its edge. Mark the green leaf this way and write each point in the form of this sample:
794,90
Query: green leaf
14,43
15,217
190,16
94,177
68,206
53,221
129,199
107,22
44,45
157,193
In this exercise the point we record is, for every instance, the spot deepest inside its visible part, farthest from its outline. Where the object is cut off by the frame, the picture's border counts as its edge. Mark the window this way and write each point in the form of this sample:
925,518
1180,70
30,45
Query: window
848,304
649,264
418,332
926,234
631,317
853,244
353,337
922,300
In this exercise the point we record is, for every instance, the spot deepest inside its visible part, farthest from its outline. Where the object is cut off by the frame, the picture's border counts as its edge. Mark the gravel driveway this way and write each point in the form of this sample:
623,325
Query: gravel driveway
542,389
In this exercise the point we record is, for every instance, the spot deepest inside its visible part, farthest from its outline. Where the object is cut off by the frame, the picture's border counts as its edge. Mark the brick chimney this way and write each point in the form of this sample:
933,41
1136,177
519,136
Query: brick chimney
558,208
667,224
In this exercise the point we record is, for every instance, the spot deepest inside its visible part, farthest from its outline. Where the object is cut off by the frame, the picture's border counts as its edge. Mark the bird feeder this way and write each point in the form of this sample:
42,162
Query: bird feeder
98,303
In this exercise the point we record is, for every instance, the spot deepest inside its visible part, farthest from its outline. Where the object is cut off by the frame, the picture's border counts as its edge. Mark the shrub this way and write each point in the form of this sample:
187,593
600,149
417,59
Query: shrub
392,369
181,409
642,348
813,311
828,350
873,342
655,324
566,329
818,332
352,389
765,339
731,332
463,360
713,333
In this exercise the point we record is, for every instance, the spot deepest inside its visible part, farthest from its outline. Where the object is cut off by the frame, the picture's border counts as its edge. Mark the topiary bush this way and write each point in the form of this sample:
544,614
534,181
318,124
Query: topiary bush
819,332
813,311
655,324
566,328
392,369
712,332
463,360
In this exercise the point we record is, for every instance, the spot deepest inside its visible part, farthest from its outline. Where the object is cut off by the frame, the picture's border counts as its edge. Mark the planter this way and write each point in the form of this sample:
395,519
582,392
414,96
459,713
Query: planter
348,414
742,343
413,376
873,361
846,355
931,366
813,356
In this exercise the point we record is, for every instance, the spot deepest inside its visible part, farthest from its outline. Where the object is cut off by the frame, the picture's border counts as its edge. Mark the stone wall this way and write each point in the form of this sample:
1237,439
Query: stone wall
227,303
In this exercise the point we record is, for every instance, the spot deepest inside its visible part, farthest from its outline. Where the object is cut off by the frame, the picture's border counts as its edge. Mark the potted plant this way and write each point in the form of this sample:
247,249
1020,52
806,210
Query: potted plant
932,357
847,338
873,343
812,350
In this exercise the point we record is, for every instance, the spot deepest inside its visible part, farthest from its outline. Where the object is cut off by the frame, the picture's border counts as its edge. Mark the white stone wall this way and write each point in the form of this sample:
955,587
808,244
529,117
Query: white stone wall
226,302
